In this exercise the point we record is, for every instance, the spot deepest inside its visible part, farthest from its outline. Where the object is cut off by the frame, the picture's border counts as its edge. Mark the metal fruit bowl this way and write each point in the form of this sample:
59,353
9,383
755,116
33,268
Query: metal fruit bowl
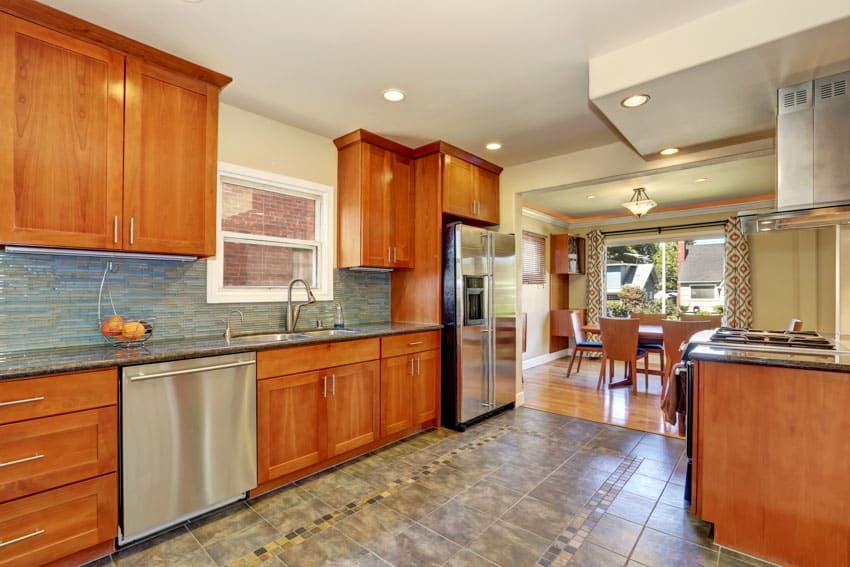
127,331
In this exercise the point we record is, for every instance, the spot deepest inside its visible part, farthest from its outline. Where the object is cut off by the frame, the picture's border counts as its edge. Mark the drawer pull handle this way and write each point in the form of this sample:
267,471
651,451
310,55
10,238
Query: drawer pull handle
22,538
16,402
415,343
19,461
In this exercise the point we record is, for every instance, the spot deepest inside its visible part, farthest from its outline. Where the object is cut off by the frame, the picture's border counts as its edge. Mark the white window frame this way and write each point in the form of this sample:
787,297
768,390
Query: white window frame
325,249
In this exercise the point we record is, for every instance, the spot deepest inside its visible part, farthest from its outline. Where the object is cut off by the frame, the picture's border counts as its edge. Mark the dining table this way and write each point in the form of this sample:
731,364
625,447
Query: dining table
646,333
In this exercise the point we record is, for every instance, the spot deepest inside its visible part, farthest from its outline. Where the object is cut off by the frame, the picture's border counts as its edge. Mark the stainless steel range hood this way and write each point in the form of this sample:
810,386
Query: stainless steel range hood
813,156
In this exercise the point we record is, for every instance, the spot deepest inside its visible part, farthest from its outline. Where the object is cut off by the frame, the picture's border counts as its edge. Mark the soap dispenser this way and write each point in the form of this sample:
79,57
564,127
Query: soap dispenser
339,320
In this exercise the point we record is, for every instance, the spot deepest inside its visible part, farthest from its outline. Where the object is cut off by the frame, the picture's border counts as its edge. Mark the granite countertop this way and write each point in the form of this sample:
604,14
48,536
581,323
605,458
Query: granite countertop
49,361
830,360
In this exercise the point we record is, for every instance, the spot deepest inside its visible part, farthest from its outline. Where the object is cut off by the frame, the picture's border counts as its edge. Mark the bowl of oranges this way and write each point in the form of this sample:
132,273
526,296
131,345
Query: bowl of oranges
126,331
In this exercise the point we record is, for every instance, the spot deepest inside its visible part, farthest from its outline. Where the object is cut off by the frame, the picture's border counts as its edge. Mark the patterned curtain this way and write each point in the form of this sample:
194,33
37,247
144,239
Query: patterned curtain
595,277
738,304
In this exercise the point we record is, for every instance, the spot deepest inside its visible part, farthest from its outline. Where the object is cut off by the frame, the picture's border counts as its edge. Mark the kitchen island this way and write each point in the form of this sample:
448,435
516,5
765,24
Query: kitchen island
771,452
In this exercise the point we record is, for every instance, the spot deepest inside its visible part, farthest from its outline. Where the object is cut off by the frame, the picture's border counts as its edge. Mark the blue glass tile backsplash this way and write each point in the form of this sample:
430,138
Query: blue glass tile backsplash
51,301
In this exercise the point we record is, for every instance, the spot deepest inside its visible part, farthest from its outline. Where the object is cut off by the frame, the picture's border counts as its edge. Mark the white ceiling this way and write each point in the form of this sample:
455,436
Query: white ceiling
738,179
475,71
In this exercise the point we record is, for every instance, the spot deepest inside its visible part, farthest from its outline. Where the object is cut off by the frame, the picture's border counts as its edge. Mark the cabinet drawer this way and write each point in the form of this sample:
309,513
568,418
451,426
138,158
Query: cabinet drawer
43,453
411,342
50,525
284,361
58,393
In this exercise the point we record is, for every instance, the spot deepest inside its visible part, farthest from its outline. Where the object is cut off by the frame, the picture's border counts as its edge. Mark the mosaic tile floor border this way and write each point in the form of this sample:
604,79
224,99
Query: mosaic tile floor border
567,544
301,534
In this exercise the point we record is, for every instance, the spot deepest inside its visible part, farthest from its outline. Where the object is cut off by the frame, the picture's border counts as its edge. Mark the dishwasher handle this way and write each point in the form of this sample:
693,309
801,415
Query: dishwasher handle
192,370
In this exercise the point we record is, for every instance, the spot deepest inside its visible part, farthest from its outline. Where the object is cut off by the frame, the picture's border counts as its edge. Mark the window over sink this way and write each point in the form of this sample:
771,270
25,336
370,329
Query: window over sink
270,229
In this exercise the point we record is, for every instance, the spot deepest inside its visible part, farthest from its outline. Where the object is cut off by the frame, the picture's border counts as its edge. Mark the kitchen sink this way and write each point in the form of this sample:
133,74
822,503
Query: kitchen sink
330,332
270,337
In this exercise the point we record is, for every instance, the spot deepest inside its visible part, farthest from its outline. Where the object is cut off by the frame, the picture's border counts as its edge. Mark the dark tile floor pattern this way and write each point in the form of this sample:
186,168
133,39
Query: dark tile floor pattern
522,488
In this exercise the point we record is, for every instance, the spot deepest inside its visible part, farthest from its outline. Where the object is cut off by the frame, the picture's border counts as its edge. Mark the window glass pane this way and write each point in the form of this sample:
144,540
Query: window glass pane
267,213
702,292
247,265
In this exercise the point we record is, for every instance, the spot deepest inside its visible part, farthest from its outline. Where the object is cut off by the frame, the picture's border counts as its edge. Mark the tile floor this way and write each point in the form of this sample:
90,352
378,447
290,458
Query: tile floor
522,488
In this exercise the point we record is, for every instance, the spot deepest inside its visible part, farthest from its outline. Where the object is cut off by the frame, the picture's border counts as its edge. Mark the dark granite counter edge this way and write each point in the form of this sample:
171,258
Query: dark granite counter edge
830,363
24,364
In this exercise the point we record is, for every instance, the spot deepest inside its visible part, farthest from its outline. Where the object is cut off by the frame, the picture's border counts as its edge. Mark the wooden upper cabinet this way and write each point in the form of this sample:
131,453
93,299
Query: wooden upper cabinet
61,130
99,147
487,192
470,191
169,162
568,254
375,202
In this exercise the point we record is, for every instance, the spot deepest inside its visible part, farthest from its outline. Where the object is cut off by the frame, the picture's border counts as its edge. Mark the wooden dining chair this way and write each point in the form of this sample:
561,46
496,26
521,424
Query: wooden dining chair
795,325
716,320
620,342
582,344
675,333
652,346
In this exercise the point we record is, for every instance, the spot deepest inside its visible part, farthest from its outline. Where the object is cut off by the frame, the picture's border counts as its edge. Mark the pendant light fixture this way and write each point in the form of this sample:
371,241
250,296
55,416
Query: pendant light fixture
640,203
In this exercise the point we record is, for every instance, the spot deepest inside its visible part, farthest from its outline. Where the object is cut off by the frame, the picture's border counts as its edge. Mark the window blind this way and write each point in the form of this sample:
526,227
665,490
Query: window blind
533,258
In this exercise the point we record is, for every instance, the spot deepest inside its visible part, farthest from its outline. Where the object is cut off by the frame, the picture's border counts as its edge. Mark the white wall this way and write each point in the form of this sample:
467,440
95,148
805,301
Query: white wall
258,142
535,297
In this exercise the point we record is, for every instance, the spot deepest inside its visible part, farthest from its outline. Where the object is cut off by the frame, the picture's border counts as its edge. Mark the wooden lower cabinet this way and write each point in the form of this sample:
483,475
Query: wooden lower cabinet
51,525
408,390
40,454
305,418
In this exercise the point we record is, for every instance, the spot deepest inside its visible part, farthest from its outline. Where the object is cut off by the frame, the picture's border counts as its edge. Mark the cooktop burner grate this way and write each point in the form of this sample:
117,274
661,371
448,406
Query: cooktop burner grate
789,339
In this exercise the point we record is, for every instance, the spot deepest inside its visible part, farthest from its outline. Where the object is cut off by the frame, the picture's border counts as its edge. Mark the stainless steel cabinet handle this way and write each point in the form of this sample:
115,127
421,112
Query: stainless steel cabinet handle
419,366
411,366
333,384
414,343
132,228
19,461
395,255
24,401
389,254
325,387
22,538
115,229
191,370
485,330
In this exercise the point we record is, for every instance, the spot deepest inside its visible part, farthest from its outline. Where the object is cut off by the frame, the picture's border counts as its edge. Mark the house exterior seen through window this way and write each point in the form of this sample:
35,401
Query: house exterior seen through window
669,277
271,230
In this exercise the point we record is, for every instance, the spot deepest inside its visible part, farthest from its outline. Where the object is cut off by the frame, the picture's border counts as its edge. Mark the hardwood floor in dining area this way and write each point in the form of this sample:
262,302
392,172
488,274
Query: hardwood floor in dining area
547,388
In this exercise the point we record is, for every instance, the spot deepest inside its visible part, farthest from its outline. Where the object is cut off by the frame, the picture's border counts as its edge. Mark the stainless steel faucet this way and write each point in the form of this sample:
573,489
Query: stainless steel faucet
292,316
227,332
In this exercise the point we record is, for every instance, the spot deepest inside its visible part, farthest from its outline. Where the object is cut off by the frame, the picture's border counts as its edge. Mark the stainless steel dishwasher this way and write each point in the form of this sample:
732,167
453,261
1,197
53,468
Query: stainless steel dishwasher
189,439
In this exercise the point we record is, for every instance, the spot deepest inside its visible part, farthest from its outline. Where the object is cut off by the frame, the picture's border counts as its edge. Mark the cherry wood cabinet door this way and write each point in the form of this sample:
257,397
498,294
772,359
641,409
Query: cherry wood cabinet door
424,394
376,207
353,406
401,233
61,138
53,451
458,187
396,389
291,423
169,162
487,193
51,525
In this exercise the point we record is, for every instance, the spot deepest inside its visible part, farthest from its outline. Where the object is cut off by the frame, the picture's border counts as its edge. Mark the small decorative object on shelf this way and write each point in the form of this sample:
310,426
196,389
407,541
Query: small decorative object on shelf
117,330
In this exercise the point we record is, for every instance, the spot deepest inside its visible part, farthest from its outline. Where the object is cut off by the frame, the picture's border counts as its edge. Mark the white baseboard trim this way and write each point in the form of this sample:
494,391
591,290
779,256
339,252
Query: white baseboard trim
544,358
520,399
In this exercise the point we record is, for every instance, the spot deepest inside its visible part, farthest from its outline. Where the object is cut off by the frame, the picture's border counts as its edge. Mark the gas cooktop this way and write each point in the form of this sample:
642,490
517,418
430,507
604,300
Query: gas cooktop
780,339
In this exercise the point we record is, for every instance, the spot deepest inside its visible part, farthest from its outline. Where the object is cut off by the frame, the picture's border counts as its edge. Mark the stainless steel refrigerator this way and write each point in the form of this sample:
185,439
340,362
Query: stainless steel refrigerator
479,324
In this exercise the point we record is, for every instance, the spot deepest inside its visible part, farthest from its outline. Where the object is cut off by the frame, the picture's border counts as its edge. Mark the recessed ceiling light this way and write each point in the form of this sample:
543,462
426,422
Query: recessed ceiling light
494,146
634,101
669,151
700,180
393,95
591,196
